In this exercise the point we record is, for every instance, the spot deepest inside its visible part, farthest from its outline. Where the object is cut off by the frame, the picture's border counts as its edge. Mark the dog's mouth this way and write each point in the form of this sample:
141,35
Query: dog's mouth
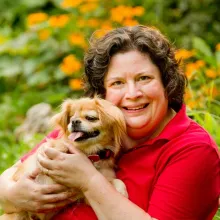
83,135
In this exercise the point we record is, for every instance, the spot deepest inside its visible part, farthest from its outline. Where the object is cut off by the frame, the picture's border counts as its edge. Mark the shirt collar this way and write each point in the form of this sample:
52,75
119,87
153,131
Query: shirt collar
176,126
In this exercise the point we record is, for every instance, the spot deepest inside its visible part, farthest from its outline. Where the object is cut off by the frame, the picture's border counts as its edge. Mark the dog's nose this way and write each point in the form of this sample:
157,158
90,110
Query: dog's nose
76,122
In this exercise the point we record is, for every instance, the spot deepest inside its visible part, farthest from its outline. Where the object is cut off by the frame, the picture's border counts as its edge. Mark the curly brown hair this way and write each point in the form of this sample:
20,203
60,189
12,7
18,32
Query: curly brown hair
141,38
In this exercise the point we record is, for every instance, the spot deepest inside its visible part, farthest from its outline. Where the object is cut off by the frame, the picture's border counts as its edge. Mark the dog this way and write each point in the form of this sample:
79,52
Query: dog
93,125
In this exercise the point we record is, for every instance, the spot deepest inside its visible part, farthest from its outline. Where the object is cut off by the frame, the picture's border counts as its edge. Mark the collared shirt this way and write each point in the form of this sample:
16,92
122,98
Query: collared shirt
173,176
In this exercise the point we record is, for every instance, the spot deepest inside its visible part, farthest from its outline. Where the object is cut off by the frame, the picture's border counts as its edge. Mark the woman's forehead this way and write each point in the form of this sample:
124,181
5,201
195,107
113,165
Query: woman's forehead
132,62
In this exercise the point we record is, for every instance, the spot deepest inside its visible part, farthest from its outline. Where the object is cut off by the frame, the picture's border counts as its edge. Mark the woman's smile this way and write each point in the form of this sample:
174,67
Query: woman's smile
134,109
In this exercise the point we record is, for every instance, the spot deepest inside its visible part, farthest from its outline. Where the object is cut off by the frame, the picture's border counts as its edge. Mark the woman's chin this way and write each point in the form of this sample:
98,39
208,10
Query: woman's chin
136,133
138,124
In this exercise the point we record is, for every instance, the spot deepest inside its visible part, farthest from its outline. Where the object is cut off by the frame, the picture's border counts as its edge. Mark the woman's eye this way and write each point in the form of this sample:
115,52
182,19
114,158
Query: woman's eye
116,83
91,118
141,78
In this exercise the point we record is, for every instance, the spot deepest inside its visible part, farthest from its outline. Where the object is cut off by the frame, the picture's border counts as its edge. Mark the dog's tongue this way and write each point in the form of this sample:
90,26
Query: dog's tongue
73,136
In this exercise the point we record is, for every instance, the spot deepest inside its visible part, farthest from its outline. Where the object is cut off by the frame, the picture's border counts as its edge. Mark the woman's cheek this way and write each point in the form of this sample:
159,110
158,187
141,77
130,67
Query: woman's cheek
114,96
154,90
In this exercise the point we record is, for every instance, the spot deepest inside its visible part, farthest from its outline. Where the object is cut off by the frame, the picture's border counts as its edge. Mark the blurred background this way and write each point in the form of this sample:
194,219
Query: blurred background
42,44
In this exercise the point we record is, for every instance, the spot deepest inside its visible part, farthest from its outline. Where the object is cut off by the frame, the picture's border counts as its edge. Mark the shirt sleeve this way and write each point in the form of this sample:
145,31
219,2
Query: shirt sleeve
53,134
187,185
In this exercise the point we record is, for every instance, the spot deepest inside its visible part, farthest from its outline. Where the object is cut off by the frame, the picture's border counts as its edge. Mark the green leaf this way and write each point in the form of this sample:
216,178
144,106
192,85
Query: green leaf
209,123
217,55
38,78
34,4
201,46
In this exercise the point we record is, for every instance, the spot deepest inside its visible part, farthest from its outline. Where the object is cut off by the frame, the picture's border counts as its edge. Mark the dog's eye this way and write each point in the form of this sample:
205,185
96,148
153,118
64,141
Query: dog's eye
91,118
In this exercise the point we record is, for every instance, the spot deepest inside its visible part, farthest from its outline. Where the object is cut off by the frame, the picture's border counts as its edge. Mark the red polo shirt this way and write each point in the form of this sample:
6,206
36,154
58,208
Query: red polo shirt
173,176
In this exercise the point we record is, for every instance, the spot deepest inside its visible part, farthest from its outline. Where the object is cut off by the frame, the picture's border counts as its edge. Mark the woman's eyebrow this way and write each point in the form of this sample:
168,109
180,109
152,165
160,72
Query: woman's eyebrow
120,77
114,78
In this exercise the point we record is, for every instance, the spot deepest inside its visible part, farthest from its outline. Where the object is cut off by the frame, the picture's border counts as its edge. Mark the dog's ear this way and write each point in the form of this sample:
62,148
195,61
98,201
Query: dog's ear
114,117
62,119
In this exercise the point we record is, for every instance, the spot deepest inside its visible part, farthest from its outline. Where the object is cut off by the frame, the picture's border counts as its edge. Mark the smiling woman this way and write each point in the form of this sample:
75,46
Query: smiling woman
169,164
133,83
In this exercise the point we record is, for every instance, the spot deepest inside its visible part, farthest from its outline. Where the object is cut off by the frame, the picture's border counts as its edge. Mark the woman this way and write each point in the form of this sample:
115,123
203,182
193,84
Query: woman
169,164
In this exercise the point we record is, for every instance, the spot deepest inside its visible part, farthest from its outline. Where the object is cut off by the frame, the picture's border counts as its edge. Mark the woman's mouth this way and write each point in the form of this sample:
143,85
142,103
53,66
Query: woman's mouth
136,108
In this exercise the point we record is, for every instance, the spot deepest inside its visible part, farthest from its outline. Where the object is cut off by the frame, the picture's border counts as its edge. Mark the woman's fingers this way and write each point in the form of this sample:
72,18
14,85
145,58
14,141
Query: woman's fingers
72,149
53,206
52,153
54,198
34,174
53,189
45,164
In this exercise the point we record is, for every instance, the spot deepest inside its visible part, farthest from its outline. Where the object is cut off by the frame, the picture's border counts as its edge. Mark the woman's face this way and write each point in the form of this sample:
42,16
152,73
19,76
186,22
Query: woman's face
133,83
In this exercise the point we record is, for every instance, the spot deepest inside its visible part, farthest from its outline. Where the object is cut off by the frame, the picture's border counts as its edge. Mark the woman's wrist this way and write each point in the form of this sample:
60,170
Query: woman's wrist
96,185
92,181
7,197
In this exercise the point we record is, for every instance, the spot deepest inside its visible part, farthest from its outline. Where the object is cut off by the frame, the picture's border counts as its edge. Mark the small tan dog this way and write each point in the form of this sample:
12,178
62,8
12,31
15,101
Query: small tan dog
96,127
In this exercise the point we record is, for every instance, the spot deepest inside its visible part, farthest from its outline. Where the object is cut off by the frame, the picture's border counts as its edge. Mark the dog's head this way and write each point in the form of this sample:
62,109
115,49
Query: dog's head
91,123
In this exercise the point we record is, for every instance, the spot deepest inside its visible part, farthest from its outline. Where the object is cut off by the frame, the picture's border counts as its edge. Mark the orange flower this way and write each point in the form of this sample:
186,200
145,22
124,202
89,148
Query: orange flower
91,1
218,71
77,39
213,91
191,68
121,12
105,27
44,34
191,104
59,20
70,3
70,65
93,22
116,15
188,95
129,22
75,84
199,63
217,47
211,73
138,11
183,54
36,18
88,7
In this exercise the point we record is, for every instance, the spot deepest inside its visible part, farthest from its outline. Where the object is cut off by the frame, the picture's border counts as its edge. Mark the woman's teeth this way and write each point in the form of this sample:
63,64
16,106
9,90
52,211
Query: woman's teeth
136,108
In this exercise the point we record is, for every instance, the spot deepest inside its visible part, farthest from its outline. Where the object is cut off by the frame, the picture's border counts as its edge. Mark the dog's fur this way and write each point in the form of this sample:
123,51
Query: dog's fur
90,125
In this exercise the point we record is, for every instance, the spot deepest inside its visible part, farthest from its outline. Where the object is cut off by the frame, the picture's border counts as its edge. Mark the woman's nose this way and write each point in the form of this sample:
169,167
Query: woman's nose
132,91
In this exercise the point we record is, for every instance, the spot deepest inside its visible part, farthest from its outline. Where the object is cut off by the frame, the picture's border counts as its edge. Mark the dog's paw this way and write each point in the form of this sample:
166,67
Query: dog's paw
120,187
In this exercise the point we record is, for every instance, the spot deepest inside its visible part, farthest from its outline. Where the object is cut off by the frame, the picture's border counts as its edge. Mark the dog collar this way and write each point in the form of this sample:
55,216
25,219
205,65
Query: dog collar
101,155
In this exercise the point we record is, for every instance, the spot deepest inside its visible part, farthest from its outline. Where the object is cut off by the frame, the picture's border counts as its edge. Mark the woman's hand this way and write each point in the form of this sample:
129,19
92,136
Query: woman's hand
26,194
73,170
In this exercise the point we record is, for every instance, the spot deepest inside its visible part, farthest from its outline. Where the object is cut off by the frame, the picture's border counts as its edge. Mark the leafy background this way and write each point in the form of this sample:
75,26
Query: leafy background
42,44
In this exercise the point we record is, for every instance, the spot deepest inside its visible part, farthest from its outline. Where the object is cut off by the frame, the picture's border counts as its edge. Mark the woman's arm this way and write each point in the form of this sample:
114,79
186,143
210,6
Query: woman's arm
109,204
76,170
5,184
26,194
